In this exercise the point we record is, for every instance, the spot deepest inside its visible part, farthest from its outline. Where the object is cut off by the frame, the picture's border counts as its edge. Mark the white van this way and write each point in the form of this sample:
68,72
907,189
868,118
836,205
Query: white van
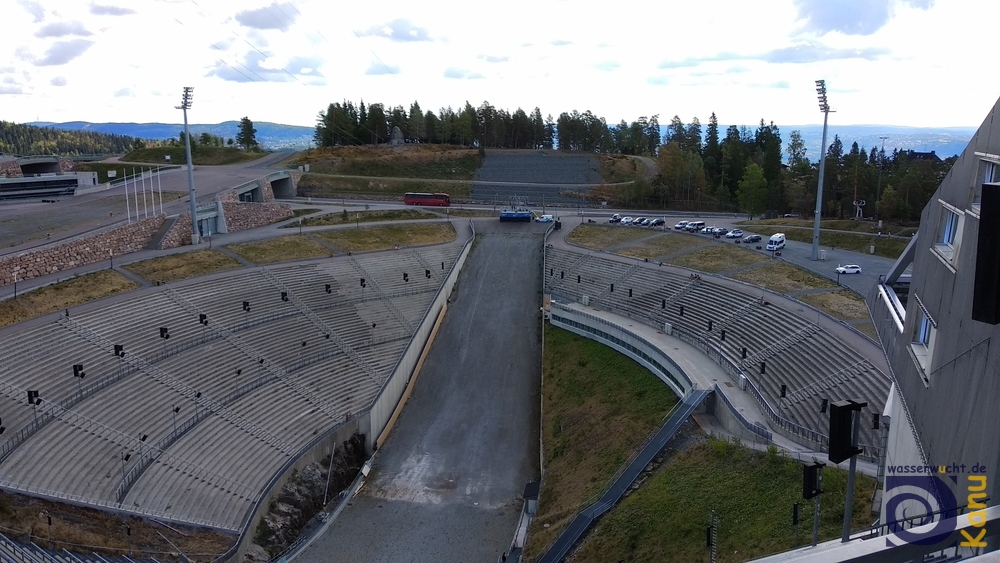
694,226
776,242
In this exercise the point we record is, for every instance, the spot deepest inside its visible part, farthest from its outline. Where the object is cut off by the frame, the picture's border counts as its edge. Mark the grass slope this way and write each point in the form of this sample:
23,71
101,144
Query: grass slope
362,217
281,249
598,406
440,162
718,258
122,171
669,243
183,266
783,278
69,293
371,239
599,236
752,493
199,154
842,304
320,185
833,224
884,246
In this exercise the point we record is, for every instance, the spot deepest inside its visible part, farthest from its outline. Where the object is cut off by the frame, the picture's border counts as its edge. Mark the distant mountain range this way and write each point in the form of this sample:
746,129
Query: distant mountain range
274,136
945,141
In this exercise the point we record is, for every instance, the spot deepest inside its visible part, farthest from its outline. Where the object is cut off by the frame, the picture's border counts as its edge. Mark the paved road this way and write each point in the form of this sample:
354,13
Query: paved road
445,485
27,224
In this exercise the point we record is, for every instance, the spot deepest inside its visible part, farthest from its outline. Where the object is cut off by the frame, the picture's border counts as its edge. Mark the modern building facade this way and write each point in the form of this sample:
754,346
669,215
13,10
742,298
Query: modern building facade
943,412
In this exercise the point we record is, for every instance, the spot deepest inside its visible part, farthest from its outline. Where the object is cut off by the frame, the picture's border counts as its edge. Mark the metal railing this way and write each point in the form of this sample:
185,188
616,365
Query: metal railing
756,429
378,291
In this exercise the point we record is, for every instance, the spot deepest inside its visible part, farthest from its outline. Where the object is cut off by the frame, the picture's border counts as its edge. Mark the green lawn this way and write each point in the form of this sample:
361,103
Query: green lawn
752,493
598,407
869,227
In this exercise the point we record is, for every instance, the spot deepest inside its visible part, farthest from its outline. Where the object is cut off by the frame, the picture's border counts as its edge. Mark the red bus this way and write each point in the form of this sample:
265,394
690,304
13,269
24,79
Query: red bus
440,200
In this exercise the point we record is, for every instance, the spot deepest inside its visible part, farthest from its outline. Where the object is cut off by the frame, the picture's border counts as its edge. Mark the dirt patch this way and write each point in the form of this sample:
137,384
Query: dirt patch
370,239
718,258
782,278
599,237
183,266
86,530
280,249
669,243
842,304
63,295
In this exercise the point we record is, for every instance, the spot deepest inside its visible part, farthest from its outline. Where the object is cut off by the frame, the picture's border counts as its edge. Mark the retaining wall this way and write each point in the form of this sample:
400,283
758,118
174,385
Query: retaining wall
67,255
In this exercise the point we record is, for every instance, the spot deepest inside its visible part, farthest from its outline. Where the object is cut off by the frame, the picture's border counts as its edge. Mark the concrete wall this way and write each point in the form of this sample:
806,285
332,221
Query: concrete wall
66,255
387,399
953,401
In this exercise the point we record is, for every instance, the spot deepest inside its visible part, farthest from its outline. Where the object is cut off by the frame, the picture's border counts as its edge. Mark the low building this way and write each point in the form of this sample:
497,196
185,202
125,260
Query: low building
40,177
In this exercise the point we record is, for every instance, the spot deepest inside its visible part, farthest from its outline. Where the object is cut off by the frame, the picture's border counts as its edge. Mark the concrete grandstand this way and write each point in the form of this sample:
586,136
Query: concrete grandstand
192,428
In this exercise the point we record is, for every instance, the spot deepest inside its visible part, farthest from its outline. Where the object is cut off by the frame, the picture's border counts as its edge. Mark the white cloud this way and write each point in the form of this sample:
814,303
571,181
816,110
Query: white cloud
99,10
269,59
62,29
58,81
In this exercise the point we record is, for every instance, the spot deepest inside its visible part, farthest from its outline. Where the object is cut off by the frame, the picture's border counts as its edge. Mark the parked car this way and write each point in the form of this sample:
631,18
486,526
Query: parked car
681,225
751,238
849,269
720,231
544,219
615,218
707,230
638,221
656,222
646,222
626,220
735,233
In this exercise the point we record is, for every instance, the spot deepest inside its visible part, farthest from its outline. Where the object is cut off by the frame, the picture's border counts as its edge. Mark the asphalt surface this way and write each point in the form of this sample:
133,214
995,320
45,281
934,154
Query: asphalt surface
24,224
445,486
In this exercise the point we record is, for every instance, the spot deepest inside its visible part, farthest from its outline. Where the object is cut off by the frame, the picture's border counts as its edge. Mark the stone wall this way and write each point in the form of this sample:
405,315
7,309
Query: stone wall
66,165
10,169
228,196
268,192
244,216
179,234
67,255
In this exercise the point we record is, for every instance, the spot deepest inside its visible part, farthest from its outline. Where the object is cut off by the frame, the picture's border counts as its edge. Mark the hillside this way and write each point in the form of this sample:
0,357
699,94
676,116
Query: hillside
199,154
27,139
269,135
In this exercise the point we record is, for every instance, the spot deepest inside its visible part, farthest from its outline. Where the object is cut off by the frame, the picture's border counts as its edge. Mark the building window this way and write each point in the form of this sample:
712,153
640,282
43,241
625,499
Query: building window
923,341
949,233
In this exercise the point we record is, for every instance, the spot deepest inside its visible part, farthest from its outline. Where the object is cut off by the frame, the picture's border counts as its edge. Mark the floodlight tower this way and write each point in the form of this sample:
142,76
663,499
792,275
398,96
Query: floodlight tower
186,105
824,107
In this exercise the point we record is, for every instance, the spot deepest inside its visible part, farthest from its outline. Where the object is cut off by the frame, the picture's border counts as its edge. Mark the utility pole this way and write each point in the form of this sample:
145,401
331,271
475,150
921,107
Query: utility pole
186,105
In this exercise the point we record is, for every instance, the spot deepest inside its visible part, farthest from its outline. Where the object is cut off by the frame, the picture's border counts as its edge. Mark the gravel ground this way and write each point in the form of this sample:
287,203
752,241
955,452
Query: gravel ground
534,167
445,485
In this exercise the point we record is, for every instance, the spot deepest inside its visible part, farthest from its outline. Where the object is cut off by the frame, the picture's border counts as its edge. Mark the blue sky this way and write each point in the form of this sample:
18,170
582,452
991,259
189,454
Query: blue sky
898,62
